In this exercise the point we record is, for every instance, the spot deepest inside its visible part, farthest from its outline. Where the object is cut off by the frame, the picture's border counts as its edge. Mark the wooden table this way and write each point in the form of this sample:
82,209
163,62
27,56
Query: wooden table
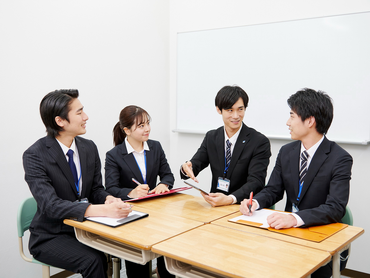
132,241
335,244
186,206
216,251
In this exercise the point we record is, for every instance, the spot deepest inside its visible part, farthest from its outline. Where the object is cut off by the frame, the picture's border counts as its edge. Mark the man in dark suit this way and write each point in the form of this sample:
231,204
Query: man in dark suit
63,173
313,171
238,155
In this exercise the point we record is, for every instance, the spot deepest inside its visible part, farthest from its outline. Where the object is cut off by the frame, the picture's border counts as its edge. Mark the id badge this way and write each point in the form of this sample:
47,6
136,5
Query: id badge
223,184
295,208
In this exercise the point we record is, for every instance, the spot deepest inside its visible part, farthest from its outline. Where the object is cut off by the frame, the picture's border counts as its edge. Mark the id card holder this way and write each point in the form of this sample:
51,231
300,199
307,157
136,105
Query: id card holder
223,184
295,208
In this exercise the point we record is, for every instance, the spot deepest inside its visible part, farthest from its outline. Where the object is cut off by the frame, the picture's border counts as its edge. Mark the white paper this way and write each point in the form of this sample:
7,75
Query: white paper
115,221
259,216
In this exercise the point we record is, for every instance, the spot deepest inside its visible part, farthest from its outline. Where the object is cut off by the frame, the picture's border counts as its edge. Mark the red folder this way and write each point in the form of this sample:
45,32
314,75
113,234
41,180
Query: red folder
162,194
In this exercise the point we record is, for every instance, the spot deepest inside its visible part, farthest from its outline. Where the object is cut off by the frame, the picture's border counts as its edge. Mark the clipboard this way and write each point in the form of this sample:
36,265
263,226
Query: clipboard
195,187
314,233
116,222
157,195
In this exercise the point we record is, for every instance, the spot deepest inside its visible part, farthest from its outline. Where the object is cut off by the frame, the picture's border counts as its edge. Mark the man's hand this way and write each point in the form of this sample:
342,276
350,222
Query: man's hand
217,199
187,168
110,199
118,209
281,220
244,207
140,191
160,188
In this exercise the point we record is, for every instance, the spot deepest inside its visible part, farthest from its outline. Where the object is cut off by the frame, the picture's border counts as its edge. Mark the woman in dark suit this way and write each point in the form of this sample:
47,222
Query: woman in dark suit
136,157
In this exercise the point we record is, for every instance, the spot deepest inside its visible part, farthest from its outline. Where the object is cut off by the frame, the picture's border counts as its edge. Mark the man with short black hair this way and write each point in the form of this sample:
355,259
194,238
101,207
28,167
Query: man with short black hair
313,171
63,172
238,155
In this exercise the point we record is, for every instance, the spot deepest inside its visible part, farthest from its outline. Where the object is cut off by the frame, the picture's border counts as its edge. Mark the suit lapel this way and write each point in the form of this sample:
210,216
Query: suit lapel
294,166
220,146
240,144
83,161
318,159
149,161
131,164
56,152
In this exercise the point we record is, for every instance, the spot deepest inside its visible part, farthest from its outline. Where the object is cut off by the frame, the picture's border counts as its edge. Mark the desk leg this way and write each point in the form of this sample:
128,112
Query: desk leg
336,265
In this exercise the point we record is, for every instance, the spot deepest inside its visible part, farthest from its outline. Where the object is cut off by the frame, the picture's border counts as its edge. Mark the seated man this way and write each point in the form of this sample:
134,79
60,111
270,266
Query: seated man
63,173
238,154
313,171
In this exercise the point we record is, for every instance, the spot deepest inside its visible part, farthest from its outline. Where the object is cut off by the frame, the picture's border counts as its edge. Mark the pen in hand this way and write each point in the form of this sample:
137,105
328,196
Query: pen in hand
250,202
135,181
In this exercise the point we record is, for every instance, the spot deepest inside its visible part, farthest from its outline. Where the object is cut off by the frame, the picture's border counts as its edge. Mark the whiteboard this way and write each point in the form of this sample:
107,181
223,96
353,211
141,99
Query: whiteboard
271,62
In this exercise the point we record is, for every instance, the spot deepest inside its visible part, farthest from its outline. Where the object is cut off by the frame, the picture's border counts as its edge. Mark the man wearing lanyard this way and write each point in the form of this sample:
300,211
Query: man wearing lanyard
238,155
313,171
63,173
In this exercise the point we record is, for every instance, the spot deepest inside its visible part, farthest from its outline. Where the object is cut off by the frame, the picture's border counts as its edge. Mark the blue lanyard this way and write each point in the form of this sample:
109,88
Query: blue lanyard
226,167
300,190
140,169
78,182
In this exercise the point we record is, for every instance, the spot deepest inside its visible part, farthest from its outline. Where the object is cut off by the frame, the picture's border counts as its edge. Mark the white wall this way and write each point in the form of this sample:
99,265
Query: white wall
114,52
194,15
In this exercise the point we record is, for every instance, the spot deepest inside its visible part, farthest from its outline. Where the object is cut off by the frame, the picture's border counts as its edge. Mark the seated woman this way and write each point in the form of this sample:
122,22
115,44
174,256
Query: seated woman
136,157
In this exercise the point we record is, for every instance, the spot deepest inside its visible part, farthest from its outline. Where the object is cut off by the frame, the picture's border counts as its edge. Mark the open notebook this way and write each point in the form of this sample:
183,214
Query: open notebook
314,233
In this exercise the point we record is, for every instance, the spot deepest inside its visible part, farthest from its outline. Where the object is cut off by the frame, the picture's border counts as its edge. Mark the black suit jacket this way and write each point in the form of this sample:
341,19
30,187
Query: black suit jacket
52,185
121,167
249,161
325,190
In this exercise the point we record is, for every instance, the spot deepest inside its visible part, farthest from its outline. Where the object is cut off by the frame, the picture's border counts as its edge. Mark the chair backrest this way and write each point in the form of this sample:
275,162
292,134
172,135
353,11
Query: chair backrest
26,212
348,218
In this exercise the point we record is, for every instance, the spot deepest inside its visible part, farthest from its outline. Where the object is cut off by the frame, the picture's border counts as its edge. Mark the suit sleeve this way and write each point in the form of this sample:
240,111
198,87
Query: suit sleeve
256,171
274,190
112,178
200,160
165,173
98,193
41,186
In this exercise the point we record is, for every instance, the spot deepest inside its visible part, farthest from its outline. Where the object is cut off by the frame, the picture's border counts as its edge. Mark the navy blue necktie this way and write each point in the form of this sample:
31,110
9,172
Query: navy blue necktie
72,165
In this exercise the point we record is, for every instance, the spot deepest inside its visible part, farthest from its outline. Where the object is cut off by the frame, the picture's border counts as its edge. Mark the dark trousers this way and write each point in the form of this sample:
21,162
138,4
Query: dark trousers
66,252
134,270
326,271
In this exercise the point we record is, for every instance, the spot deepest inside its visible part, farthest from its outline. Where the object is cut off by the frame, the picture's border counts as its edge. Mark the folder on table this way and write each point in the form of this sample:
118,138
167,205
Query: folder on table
314,233
161,194
115,222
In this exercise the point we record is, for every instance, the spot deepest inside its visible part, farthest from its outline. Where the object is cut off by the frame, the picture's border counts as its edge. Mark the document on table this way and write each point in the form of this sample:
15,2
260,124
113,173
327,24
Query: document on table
258,219
115,222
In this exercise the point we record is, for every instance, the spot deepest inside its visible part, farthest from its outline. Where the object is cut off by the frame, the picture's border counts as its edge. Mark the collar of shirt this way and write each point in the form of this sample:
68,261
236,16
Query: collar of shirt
311,151
233,139
130,149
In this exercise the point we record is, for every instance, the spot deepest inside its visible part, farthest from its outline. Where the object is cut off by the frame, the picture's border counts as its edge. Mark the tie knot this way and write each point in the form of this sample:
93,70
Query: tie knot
228,143
70,153
304,155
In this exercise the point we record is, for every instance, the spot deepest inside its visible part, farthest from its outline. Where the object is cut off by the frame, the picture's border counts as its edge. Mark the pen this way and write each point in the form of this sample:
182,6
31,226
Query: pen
135,181
250,201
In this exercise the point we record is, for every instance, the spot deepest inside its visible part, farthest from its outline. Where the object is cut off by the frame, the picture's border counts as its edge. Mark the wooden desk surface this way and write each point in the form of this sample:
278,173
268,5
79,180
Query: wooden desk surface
142,233
234,253
332,244
186,206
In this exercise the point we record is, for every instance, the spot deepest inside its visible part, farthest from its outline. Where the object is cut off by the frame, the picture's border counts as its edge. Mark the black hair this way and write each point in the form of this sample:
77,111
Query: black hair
56,103
229,95
309,103
130,115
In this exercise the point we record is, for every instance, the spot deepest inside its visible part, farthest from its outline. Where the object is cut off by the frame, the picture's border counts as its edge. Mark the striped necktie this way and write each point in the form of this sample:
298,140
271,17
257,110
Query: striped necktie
303,171
72,165
228,153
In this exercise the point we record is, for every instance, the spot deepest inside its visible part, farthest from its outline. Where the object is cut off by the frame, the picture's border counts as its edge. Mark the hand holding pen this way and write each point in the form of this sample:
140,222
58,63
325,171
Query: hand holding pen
247,206
141,190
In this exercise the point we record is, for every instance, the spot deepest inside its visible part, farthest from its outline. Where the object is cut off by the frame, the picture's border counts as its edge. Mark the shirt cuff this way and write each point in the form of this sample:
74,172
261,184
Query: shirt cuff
299,220
234,199
258,205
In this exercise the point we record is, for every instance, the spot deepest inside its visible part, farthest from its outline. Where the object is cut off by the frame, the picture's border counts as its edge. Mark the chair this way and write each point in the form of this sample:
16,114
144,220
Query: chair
26,211
347,219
